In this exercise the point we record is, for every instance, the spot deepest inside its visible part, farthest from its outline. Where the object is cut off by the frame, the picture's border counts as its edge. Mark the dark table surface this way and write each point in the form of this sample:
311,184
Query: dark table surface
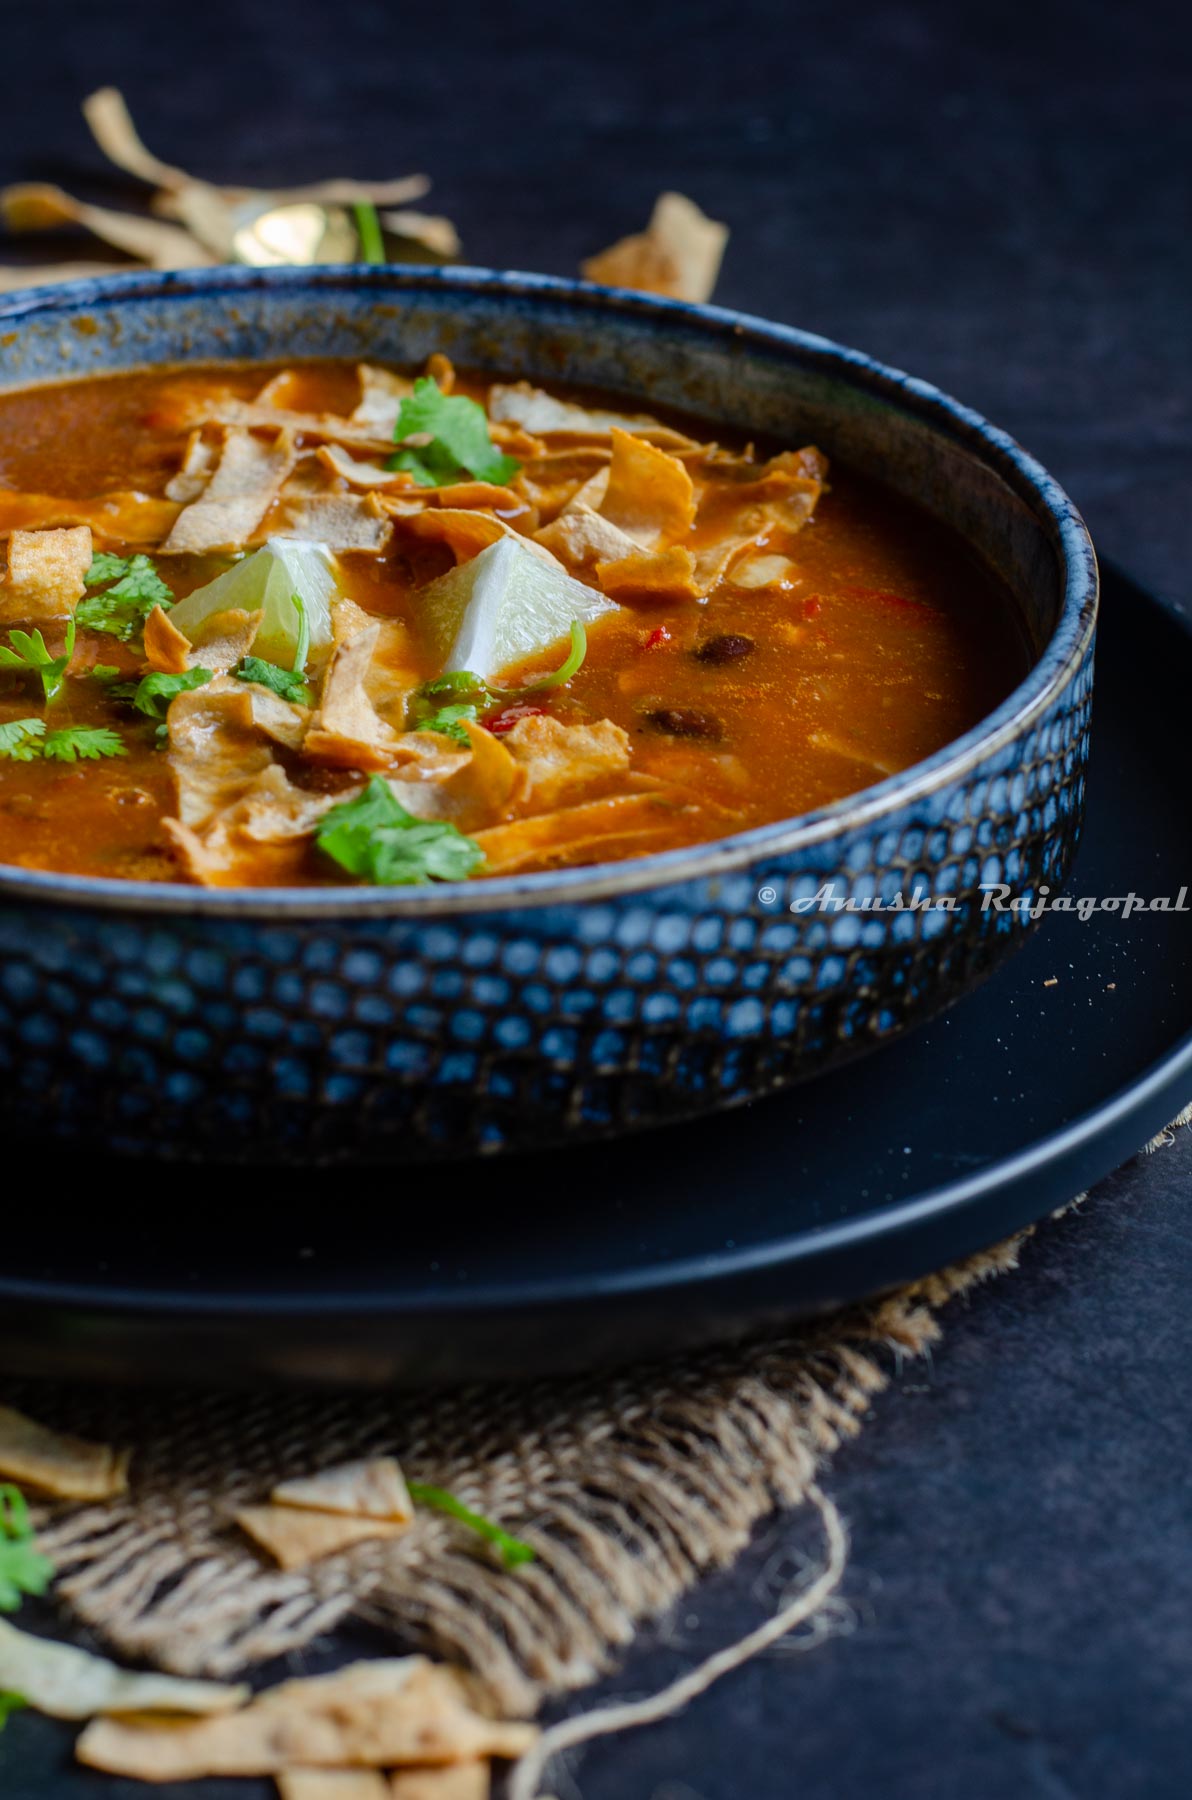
998,199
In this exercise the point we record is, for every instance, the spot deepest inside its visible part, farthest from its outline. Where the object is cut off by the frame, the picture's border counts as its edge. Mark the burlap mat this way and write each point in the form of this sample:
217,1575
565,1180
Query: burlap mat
629,1486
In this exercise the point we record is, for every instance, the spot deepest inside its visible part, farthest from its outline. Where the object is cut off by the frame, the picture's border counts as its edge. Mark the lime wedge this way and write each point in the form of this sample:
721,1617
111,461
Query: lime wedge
502,606
267,581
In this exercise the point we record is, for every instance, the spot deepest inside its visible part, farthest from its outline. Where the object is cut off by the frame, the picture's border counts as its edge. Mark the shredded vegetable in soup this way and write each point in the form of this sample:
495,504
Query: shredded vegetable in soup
333,624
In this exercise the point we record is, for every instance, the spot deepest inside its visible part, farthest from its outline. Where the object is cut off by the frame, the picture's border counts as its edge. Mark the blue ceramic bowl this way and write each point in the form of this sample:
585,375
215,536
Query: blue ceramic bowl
388,1025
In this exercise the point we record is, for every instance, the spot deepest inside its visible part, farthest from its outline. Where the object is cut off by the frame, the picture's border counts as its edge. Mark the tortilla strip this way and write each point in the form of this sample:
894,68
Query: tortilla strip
679,253
558,759
649,495
431,230
381,394
520,403
367,476
651,575
468,533
380,1714
45,574
251,415
466,1781
223,639
764,570
216,750
166,648
113,130
237,497
295,1539
347,729
553,836
66,1683
58,1466
341,521
123,517
40,206
282,720
361,1490
581,538
332,1784
198,465
471,789
258,840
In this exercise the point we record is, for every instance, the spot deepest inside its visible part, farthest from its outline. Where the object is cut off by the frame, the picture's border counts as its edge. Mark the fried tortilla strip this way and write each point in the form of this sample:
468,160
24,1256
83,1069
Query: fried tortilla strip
332,1784
199,463
361,1490
113,130
341,521
468,790
259,840
347,729
678,254
370,477
623,819
295,1539
282,720
649,496
166,648
236,499
39,206
381,395
467,533
45,574
57,1466
559,759
466,1781
375,1715
431,230
251,415
67,1683
123,517
520,403
581,539
651,575
216,749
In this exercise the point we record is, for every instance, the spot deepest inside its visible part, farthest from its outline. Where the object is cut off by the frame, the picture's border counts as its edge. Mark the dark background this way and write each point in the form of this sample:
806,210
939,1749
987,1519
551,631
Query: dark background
998,199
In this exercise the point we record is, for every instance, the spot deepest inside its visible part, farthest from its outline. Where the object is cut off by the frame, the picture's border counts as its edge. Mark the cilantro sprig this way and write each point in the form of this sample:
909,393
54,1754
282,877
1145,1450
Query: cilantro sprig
23,1569
459,441
291,684
512,1550
441,704
26,740
29,655
374,838
131,587
154,692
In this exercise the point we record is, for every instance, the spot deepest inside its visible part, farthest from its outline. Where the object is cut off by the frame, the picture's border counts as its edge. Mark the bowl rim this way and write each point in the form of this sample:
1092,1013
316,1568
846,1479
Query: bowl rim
1058,662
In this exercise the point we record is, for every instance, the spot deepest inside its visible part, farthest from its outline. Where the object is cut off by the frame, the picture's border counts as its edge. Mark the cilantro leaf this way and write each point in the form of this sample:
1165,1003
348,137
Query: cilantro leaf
513,1550
121,610
20,741
154,693
374,838
10,1703
459,441
447,721
23,1569
86,741
30,656
286,682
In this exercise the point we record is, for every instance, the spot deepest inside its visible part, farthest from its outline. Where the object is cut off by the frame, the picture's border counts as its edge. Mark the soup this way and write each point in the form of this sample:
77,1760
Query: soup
323,623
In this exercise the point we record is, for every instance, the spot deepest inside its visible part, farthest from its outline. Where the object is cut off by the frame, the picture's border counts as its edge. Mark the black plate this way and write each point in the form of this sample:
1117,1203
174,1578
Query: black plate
1002,1109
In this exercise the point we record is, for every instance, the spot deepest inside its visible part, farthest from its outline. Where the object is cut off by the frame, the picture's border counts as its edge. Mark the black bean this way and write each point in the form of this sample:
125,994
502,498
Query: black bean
725,649
686,721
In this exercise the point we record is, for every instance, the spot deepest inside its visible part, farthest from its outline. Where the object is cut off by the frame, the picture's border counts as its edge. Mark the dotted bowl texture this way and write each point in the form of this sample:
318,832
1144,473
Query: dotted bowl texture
390,1026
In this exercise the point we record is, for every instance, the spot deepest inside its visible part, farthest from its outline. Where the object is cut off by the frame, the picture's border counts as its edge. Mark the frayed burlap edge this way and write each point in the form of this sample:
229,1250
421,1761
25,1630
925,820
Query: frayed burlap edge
629,1486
